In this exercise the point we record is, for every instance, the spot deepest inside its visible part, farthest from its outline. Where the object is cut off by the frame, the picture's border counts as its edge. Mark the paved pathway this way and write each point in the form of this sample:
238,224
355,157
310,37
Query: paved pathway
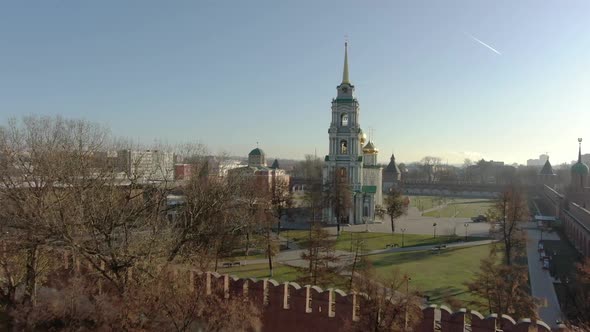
293,257
541,281
416,224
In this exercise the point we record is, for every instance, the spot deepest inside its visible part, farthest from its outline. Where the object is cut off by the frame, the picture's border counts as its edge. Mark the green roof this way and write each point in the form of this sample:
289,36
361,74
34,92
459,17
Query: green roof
370,189
256,152
580,168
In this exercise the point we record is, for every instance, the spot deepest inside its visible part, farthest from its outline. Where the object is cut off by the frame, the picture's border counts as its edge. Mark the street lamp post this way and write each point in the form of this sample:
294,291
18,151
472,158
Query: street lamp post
434,226
403,232
466,226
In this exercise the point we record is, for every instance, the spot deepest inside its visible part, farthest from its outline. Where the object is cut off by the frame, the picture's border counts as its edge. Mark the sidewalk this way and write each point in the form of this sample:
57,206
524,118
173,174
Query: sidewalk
541,281
292,257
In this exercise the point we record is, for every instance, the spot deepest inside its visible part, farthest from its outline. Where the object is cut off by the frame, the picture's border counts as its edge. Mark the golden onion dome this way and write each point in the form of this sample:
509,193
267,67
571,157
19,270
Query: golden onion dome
370,148
363,137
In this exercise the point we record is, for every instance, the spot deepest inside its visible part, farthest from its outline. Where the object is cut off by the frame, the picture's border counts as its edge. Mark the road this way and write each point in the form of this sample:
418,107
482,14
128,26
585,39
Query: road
541,281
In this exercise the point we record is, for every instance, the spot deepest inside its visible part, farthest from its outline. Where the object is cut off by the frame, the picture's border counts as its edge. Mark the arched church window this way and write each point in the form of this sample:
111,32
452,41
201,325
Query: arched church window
343,147
344,120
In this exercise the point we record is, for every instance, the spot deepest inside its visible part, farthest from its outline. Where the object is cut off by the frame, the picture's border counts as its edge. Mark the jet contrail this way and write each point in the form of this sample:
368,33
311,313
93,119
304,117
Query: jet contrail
484,44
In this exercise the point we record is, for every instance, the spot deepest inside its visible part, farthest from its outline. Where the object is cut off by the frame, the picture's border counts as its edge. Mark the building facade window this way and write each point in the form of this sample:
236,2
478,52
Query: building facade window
343,147
344,120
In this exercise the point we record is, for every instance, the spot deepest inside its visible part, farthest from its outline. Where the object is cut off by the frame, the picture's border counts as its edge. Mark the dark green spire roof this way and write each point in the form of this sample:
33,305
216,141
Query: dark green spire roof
256,152
580,168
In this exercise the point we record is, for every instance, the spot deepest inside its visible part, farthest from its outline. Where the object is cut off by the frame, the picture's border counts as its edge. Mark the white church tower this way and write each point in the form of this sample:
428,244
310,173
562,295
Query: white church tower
345,156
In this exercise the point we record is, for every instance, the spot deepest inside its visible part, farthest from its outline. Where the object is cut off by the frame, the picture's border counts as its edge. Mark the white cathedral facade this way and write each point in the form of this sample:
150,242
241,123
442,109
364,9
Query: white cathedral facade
350,157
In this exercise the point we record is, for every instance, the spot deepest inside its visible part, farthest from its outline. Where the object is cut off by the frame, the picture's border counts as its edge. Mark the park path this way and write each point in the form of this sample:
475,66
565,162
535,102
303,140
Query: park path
541,281
293,257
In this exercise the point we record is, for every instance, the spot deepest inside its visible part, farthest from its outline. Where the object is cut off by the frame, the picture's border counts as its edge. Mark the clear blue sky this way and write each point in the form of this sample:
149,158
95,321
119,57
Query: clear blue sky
233,73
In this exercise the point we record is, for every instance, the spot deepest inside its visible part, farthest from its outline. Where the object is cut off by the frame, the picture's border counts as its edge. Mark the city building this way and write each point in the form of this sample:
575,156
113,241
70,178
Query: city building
215,167
538,162
265,177
150,165
348,159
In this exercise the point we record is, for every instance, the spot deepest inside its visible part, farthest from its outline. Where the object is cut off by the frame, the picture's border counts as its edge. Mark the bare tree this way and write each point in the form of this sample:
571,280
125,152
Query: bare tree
430,167
396,205
504,289
61,193
323,263
511,205
338,197
281,199
580,288
388,305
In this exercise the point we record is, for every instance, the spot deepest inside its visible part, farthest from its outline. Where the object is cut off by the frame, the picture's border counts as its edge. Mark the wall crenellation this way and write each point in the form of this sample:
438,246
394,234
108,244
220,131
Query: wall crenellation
309,307
289,306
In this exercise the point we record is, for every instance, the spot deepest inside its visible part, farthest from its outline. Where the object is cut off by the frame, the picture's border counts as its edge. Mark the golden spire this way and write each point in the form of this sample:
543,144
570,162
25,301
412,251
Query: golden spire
345,71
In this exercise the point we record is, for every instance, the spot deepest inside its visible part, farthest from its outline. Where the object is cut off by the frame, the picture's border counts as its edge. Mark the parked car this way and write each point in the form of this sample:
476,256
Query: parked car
480,218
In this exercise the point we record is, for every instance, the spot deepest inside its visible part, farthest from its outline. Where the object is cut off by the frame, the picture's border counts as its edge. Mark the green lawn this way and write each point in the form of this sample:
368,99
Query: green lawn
281,272
439,276
374,241
462,208
424,202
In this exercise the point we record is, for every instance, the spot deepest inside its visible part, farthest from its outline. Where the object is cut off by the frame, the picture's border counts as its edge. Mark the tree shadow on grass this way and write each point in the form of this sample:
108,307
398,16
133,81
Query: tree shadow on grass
412,256
441,293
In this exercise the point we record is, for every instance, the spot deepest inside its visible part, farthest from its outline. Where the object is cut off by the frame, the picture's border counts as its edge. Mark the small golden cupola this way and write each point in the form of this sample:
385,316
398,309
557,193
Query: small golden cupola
370,148
363,137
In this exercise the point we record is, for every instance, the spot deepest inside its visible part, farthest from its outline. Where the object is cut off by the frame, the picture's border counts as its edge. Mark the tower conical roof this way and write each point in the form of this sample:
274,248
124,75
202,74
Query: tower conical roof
547,169
275,164
392,167
345,79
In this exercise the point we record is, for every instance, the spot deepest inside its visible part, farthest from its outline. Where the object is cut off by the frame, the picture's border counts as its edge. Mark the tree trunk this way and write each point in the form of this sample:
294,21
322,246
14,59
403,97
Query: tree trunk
31,275
356,254
270,260
392,225
269,251
507,250
247,244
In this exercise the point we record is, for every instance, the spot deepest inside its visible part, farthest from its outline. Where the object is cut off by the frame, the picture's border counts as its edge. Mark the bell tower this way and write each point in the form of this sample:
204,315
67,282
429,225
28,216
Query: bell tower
345,150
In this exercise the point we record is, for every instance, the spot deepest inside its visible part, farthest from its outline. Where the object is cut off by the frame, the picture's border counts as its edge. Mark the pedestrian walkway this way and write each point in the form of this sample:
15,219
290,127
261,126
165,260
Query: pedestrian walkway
541,281
429,247
292,257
